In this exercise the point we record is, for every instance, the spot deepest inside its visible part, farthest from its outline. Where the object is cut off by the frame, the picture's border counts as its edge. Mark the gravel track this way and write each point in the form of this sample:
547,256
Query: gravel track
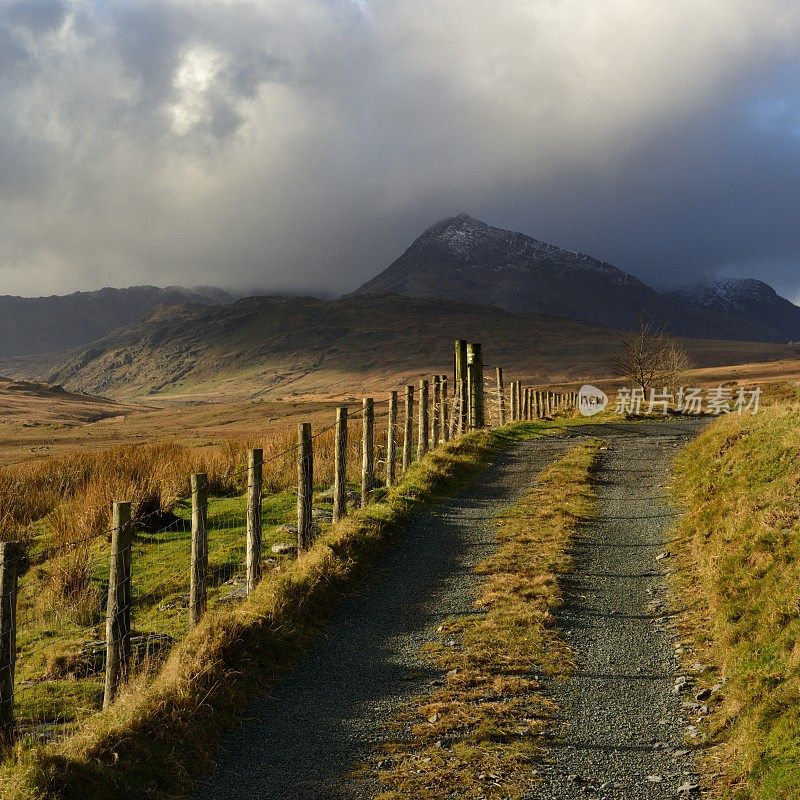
327,715
622,726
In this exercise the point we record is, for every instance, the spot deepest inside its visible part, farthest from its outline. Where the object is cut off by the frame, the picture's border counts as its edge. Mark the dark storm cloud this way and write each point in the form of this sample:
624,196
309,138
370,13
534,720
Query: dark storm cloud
301,144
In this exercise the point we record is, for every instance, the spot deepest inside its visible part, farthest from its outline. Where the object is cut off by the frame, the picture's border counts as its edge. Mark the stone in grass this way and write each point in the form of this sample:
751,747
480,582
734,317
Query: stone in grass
90,659
284,549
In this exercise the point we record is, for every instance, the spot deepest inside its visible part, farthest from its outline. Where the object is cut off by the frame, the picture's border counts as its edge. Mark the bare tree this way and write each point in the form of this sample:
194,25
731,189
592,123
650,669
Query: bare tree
650,358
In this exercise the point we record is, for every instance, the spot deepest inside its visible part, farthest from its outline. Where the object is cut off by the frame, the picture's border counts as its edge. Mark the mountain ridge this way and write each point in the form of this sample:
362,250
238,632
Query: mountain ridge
31,326
468,260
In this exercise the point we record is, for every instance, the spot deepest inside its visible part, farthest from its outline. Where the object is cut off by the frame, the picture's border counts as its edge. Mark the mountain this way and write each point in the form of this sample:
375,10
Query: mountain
746,298
462,258
291,347
36,325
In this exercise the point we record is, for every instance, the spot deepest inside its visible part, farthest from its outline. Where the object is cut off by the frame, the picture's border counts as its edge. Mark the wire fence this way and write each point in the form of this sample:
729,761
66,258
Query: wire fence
82,613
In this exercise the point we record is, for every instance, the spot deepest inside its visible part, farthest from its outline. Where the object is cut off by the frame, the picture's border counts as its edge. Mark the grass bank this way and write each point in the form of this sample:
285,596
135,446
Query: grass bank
163,729
477,735
738,551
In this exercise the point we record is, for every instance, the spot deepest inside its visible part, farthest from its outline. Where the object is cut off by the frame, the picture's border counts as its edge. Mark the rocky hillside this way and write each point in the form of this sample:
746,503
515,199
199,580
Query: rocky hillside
747,299
36,325
462,258
279,348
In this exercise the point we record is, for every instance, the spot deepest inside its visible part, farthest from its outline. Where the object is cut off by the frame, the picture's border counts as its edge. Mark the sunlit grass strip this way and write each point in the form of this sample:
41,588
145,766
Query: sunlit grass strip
162,731
478,735
738,551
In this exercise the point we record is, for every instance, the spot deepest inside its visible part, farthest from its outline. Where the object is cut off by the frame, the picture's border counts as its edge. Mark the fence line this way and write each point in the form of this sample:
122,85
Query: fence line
157,584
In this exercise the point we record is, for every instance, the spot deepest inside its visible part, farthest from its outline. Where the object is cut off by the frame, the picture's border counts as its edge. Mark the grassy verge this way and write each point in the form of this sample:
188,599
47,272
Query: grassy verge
476,735
162,730
738,549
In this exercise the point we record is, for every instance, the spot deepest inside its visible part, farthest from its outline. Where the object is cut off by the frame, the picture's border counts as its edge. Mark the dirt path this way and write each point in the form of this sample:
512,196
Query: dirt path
327,715
622,723
621,726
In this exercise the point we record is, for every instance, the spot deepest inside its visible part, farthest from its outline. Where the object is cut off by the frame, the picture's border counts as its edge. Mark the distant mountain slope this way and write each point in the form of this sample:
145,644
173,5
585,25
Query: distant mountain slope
280,347
461,258
34,325
746,298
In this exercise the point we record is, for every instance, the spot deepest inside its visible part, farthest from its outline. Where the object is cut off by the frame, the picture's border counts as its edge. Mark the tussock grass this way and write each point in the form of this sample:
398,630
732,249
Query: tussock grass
738,549
477,735
163,729
70,495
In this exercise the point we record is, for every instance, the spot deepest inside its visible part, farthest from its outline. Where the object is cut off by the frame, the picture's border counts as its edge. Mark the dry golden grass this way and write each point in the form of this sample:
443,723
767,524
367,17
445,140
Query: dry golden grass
738,550
477,735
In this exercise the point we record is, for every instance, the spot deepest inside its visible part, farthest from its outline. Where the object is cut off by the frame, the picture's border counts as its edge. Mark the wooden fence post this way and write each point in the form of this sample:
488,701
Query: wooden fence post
255,462
477,409
526,412
118,608
10,554
408,429
422,433
512,400
445,435
367,450
437,410
501,397
391,443
460,387
199,568
472,400
531,407
340,466
538,398
305,487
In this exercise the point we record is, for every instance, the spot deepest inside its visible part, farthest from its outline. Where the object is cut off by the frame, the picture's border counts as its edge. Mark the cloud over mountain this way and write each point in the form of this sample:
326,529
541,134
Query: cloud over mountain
299,144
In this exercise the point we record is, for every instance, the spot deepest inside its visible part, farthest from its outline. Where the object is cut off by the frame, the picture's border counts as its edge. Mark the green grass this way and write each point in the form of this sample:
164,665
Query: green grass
50,692
738,549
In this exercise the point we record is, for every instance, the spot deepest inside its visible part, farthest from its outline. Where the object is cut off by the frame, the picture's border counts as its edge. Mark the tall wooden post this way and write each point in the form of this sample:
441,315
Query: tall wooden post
437,410
477,408
501,397
340,466
118,607
408,429
531,406
367,451
526,412
472,400
445,416
255,462
513,398
537,398
423,432
199,568
391,443
519,401
10,555
460,386
305,486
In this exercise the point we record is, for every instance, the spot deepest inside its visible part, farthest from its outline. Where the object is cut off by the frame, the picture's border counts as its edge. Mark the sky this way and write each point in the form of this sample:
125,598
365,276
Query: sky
301,145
